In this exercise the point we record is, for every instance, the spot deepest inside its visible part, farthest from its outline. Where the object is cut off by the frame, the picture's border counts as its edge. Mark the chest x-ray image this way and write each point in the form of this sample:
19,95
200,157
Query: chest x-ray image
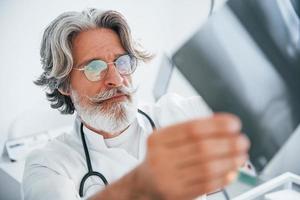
246,60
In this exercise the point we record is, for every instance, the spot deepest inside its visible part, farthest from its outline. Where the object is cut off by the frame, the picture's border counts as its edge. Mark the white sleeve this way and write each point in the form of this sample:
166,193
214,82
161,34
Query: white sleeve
41,182
217,4
172,108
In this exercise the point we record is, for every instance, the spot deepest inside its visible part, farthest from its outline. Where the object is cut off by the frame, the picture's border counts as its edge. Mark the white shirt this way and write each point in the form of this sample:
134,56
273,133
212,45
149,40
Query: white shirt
55,171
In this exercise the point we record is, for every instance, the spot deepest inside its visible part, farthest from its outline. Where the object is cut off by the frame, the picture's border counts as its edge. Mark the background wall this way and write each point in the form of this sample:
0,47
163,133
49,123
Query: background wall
161,26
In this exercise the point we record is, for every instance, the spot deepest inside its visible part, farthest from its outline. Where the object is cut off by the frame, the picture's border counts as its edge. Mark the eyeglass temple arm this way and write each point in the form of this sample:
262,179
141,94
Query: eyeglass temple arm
80,69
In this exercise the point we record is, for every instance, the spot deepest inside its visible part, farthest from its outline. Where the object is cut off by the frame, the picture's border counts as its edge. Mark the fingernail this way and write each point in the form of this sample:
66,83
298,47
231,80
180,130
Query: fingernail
232,176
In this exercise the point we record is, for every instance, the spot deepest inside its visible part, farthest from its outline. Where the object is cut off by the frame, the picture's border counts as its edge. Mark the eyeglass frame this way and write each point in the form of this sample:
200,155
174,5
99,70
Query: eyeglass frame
109,63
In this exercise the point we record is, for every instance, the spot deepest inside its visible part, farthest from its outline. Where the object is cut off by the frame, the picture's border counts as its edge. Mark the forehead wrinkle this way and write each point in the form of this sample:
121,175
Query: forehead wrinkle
106,47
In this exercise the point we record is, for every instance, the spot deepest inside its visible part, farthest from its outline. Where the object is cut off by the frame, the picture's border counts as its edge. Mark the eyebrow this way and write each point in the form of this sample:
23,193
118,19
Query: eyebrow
86,61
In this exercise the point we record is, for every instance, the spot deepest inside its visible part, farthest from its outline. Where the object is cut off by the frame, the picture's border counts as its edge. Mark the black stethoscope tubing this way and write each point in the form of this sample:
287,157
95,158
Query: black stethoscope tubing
91,172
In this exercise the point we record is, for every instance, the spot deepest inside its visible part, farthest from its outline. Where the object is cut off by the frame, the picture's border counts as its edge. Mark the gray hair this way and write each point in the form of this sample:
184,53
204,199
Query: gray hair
56,54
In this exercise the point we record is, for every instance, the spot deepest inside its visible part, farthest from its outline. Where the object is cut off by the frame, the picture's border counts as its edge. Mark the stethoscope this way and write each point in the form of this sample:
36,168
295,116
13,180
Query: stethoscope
91,172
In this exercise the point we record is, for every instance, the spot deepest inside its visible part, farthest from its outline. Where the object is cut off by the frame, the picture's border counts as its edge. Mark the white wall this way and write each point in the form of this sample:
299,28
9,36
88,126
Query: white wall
160,25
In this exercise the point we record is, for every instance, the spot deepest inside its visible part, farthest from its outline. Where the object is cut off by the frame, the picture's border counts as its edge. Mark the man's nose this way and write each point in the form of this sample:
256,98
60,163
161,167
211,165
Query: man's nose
113,77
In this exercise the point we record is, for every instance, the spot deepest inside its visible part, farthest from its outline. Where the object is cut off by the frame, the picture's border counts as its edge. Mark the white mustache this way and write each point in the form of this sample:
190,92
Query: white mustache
105,95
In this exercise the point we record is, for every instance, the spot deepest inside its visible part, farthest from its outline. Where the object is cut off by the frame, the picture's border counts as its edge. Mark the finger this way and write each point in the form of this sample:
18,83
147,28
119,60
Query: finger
210,149
210,186
211,170
199,128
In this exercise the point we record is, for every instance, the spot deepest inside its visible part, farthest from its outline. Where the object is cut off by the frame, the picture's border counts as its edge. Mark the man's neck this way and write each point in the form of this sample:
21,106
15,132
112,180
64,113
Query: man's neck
105,135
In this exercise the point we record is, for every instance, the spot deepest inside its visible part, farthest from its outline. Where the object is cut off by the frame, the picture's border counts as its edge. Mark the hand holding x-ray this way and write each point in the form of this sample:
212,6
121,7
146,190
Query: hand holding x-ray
194,158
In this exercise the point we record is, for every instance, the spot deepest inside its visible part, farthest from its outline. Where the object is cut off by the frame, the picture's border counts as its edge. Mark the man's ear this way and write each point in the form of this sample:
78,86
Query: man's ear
64,92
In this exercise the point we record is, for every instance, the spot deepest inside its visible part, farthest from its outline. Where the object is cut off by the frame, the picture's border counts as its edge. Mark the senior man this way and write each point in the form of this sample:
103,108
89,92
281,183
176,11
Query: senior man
118,150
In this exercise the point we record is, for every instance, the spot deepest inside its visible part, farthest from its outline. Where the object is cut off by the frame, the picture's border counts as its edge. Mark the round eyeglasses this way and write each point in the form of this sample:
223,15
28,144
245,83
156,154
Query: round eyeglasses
96,69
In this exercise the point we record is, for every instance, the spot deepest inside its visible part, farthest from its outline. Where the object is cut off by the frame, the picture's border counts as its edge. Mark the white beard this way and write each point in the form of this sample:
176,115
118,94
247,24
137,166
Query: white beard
113,120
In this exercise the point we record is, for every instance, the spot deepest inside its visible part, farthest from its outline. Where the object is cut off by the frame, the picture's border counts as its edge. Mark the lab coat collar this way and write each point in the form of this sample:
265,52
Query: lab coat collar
96,141
144,123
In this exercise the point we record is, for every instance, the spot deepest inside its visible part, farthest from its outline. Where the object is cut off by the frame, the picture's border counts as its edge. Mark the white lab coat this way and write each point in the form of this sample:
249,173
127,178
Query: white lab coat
55,172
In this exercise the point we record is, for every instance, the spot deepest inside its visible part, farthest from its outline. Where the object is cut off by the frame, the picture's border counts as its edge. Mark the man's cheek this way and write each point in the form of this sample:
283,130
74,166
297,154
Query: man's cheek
127,81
